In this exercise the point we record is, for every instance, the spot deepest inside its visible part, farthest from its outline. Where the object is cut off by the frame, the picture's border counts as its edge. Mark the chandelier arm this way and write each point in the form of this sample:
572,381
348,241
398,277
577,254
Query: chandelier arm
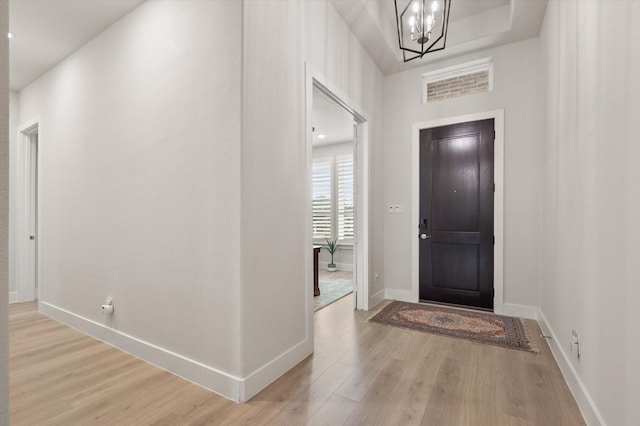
422,28
429,49
445,22
398,27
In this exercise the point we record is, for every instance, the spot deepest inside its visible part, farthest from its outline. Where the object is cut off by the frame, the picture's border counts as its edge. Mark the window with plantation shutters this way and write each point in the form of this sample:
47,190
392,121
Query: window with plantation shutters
322,200
333,198
344,171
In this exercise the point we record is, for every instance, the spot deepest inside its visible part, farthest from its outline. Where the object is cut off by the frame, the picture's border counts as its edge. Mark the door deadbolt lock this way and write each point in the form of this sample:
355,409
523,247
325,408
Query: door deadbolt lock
424,236
32,237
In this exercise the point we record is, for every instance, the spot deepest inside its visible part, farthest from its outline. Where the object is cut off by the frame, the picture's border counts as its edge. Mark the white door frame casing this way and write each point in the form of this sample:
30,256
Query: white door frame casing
498,200
27,280
361,242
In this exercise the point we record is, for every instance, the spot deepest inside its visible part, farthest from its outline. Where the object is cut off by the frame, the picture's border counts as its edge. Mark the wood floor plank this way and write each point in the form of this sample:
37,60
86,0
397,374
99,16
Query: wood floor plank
417,382
334,411
379,397
446,399
299,409
361,373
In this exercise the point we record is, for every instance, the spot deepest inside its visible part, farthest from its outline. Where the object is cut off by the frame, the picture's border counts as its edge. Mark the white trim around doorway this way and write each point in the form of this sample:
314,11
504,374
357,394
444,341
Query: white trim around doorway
498,200
361,243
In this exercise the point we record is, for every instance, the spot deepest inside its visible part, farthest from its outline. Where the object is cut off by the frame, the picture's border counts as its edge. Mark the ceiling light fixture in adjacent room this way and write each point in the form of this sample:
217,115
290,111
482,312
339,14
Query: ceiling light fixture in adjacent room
422,26
10,35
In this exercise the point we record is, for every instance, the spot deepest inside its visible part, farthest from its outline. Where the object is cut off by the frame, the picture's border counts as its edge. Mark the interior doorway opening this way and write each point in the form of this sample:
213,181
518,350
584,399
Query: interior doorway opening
27,217
318,87
333,201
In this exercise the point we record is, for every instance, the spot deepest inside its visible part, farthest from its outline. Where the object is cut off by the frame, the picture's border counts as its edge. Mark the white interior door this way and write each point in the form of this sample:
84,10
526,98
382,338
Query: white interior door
32,225
27,244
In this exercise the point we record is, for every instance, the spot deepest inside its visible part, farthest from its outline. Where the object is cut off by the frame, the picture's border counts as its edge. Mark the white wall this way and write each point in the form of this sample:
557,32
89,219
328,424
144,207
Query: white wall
344,256
14,122
517,87
590,199
4,214
340,148
156,150
273,176
333,50
140,186
279,37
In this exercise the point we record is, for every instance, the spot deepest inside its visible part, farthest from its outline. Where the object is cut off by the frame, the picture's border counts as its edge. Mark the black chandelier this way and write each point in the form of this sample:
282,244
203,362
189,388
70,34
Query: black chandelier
422,26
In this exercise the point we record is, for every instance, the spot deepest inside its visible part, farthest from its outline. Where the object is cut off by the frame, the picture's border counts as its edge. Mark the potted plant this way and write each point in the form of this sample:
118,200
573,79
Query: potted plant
332,247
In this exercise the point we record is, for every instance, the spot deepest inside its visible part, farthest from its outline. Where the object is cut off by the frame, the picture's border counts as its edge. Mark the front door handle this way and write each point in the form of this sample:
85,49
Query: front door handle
424,236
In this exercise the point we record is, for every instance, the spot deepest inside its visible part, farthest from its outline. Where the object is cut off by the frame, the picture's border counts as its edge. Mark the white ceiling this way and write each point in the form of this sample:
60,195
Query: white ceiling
47,31
473,25
462,9
330,120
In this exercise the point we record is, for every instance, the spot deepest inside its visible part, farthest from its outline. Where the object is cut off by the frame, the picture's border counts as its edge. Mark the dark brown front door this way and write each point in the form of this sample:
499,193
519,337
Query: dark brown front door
456,214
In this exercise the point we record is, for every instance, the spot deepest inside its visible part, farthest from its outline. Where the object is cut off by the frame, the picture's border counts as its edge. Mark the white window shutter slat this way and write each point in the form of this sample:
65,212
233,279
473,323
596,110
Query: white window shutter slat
345,197
322,198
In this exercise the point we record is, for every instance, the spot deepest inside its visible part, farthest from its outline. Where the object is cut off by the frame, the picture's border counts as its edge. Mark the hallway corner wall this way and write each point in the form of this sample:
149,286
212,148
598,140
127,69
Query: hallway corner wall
589,203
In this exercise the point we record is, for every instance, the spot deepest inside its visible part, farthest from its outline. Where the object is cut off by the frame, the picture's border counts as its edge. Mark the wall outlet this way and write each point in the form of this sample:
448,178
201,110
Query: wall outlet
575,343
107,308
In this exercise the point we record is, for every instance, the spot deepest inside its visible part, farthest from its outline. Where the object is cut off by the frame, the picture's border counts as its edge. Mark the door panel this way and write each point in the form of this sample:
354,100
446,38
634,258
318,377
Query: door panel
455,266
456,214
455,175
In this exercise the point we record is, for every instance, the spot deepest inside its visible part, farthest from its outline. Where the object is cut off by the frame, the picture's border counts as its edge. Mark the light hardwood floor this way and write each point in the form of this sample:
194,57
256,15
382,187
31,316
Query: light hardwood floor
361,373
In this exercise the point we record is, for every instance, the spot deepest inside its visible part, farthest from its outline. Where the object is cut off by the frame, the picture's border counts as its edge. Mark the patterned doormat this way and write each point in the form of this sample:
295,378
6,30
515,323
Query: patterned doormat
507,332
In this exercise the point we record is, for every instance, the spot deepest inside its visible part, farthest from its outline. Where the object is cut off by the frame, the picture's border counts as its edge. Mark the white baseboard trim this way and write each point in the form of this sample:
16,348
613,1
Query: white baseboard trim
377,298
340,266
588,408
268,373
215,380
13,297
400,295
520,311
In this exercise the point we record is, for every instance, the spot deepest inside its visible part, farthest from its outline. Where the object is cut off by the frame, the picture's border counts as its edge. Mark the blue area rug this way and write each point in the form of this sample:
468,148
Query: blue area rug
331,289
